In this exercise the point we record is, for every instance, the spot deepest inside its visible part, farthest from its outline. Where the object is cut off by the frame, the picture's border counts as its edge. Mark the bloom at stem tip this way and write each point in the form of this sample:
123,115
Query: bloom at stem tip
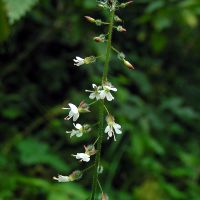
112,127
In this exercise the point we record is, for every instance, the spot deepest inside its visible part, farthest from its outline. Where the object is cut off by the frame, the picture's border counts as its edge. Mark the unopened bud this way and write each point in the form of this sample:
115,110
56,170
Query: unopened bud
128,64
90,19
100,38
117,19
121,29
83,107
123,5
104,196
90,150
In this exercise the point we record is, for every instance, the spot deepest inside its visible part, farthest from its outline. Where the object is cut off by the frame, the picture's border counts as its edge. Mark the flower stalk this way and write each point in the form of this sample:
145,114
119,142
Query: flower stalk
101,108
99,94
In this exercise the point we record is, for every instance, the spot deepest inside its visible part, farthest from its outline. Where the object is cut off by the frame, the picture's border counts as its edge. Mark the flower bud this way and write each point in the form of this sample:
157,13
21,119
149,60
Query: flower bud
76,175
128,64
121,29
83,107
90,19
123,5
100,38
117,19
90,59
104,196
90,150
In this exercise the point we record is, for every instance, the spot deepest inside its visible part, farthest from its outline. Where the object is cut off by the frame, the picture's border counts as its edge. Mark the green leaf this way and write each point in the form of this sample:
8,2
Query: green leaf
35,152
17,8
154,6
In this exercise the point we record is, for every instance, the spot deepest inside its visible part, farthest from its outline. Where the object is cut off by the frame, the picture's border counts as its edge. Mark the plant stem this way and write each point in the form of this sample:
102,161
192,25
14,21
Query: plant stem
106,66
101,109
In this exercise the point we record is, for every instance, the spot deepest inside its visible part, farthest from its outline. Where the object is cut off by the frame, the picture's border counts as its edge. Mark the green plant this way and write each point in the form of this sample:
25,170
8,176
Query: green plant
100,94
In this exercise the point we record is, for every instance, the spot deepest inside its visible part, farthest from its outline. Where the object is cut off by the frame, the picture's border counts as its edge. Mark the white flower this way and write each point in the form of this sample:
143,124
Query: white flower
112,127
105,93
82,156
95,93
61,178
75,175
73,113
78,132
79,61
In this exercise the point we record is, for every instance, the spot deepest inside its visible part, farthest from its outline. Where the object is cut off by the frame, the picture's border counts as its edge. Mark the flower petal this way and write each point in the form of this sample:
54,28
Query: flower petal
92,95
109,96
78,126
76,116
73,108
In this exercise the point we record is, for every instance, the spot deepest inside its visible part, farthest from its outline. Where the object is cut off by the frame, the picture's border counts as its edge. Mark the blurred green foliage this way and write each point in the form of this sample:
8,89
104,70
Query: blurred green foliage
158,155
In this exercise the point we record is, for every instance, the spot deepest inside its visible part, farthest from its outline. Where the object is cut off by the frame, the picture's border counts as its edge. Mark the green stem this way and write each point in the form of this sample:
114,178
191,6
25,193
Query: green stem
106,66
101,109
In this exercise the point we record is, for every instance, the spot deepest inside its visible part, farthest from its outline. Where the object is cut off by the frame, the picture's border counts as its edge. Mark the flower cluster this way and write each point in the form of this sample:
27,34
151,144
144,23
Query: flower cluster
100,94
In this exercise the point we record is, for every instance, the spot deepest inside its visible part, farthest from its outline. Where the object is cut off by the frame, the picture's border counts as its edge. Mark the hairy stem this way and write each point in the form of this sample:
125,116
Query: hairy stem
101,109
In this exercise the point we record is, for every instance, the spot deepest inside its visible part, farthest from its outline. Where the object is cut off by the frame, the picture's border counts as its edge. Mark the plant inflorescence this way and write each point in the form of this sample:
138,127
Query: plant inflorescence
99,94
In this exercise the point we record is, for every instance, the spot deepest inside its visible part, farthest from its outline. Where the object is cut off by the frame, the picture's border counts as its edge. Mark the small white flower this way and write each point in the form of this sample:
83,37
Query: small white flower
78,132
112,127
95,93
79,61
62,179
73,113
82,157
105,93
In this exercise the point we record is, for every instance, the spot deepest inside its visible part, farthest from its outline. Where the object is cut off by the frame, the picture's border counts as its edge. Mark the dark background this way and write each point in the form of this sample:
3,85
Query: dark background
157,104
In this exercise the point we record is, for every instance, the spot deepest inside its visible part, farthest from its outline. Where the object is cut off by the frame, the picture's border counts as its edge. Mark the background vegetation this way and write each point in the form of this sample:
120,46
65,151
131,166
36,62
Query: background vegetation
158,155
